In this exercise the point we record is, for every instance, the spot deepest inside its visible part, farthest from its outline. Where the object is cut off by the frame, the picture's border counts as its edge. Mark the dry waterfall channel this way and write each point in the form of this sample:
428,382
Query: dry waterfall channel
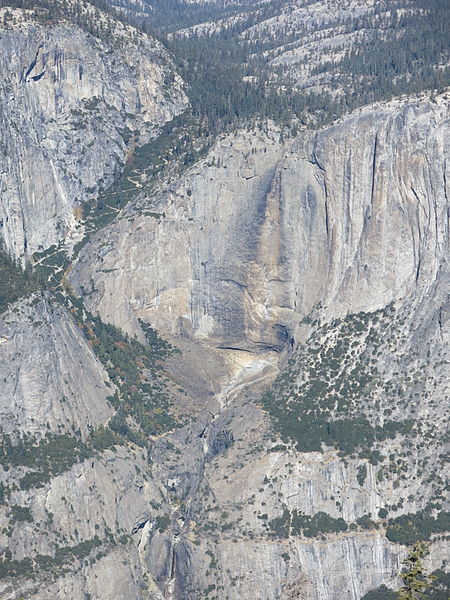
248,375
251,370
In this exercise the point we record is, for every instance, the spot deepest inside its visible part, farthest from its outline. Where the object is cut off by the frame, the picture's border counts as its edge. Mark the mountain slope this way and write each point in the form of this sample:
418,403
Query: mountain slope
76,99
225,367
307,239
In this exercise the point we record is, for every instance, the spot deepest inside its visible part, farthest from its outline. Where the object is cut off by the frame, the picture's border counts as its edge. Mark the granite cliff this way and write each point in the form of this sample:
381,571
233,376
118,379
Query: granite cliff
260,232
74,104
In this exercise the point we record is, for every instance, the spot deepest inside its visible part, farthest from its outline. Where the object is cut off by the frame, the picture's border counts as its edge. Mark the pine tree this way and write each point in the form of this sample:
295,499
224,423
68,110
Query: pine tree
415,577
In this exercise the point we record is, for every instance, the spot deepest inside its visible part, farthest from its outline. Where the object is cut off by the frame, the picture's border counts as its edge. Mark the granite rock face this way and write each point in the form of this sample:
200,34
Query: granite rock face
51,377
215,212
257,234
74,105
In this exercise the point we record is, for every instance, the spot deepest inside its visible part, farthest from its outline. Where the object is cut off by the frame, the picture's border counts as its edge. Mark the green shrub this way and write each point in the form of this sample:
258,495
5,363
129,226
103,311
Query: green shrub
162,523
137,371
103,438
20,513
440,586
361,474
27,567
365,522
47,457
15,282
413,527
295,522
381,593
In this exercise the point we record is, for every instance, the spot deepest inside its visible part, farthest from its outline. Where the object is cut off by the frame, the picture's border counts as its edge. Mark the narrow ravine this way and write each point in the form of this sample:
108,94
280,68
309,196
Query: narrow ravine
253,371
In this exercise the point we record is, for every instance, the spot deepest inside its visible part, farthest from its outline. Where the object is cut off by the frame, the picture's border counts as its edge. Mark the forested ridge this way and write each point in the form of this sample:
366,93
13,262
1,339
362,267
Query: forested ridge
231,78
228,68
